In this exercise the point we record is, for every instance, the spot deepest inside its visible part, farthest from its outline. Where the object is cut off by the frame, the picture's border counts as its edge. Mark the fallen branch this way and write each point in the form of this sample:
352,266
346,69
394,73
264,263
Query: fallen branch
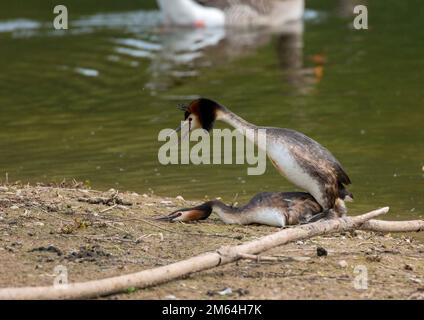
393,226
198,263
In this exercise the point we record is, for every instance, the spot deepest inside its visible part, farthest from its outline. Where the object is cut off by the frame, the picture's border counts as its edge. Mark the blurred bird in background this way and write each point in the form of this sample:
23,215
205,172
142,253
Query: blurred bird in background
241,13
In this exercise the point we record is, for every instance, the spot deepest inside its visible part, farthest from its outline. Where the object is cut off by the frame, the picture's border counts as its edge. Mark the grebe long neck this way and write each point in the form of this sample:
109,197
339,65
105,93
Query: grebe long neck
235,121
226,213
249,130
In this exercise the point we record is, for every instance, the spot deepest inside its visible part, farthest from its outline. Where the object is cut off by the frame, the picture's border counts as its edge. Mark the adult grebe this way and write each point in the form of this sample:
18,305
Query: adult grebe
276,209
213,13
300,159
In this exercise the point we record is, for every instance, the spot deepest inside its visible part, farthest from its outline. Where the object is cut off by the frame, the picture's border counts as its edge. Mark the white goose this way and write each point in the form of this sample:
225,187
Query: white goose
214,13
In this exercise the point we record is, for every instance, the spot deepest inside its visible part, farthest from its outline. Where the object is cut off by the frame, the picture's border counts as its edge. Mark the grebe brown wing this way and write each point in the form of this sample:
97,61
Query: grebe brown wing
316,161
296,206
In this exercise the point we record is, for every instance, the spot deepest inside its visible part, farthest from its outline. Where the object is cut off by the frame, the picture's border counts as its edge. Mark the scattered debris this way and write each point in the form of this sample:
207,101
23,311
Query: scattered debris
408,267
87,253
373,258
415,280
321,252
113,199
49,248
228,292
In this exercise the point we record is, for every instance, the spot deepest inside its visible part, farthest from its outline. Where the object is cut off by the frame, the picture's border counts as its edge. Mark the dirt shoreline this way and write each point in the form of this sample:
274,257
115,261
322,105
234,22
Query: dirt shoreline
95,234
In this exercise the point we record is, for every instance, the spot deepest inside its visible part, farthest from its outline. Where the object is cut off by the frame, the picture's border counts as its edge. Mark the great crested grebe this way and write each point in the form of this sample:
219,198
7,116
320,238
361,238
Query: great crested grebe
213,13
276,209
300,159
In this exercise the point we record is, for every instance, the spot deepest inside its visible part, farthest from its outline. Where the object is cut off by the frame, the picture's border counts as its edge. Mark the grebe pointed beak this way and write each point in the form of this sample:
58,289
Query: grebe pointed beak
185,131
187,214
170,217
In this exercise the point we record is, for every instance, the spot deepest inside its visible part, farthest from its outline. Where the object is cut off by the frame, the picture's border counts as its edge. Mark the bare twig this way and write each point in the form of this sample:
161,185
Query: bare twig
177,232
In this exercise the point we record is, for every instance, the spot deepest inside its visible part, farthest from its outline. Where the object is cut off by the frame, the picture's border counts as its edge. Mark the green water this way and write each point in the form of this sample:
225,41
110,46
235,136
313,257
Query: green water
88,103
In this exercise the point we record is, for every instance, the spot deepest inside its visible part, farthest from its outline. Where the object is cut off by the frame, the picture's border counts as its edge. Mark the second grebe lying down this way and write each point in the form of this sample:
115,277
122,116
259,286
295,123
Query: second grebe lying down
300,159
276,209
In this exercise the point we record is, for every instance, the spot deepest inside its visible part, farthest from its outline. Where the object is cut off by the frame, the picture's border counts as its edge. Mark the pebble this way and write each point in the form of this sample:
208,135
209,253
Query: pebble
225,292
408,267
4,189
416,280
321,252
14,207
170,297
180,198
343,263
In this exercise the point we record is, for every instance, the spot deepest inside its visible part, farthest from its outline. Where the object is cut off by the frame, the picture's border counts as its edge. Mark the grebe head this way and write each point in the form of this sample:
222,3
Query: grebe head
201,113
200,212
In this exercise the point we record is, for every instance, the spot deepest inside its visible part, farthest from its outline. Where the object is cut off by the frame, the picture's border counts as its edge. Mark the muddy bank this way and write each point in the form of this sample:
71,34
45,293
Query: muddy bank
93,234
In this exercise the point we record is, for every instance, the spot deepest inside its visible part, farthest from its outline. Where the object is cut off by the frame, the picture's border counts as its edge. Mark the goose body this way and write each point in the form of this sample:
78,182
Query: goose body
276,209
302,160
213,13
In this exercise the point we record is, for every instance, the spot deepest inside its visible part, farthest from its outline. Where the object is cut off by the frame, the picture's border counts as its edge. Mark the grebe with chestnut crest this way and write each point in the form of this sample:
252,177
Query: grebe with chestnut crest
302,160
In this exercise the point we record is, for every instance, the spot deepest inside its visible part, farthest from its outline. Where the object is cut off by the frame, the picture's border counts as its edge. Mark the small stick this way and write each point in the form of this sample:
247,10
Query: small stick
177,232
108,209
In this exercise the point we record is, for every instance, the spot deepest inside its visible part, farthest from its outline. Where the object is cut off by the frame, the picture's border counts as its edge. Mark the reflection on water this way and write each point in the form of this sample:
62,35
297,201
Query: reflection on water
179,53
88,103
134,22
